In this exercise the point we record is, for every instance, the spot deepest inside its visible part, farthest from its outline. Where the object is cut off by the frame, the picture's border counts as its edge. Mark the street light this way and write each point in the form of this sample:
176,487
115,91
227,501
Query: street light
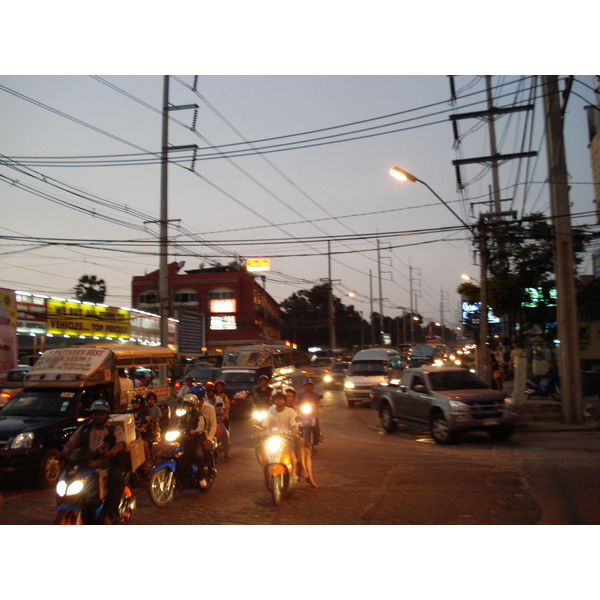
469,278
403,175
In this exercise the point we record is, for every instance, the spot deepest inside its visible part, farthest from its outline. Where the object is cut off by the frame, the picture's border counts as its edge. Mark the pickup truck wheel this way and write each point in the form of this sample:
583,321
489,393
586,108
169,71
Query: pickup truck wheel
500,434
50,468
440,430
387,421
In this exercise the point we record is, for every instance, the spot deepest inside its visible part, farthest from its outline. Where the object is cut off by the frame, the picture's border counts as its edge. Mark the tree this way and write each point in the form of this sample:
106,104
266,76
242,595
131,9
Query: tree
90,289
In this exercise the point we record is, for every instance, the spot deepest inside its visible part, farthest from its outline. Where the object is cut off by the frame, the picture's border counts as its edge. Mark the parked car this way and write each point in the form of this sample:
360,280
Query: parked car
446,401
13,384
317,367
334,377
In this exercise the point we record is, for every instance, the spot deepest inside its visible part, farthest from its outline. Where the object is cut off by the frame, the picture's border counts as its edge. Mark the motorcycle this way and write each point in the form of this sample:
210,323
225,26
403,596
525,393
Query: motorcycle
81,491
307,417
168,475
550,389
277,456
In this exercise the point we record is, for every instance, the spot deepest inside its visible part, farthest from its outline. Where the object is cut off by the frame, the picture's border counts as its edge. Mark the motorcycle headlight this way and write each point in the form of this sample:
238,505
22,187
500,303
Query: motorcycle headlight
274,444
180,412
61,488
23,441
328,379
75,487
306,409
349,385
171,436
259,415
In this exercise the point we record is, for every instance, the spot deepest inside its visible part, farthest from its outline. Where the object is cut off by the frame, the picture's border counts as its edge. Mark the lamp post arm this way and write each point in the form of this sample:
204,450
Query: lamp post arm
444,203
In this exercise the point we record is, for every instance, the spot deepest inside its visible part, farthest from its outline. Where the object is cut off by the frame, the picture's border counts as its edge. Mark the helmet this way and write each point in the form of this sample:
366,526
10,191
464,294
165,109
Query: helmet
100,405
308,380
138,398
265,377
278,390
198,390
209,385
220,381
190,399
289,390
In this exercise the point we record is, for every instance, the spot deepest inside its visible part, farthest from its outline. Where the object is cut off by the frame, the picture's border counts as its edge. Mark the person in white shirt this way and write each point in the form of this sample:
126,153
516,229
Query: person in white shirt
283,419
185,388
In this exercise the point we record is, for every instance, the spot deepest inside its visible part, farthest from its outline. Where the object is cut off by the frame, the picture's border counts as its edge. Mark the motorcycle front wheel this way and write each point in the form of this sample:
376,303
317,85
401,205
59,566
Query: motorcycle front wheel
69,517
276,486
162,487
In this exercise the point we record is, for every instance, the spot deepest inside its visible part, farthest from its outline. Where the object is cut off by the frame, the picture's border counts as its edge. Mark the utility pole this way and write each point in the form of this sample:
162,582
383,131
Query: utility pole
566,304
373,337
380,297
332,340
164,298
484,374
163,284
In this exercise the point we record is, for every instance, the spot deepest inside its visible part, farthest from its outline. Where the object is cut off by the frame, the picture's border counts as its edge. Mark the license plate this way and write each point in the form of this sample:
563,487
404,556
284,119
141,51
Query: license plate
490,421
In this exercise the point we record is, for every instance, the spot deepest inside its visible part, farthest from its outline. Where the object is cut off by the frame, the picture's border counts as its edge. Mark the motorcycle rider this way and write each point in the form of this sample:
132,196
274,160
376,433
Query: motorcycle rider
91,435
262,393
205,430
309,395
290,397
185,388
283,418
218,404
143,424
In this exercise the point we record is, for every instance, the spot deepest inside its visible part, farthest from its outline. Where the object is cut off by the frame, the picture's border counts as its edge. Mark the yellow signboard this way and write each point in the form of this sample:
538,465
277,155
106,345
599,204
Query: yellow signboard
258,264
72,318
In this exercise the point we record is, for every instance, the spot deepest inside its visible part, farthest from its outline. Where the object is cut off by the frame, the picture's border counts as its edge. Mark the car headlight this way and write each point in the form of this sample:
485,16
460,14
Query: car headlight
457,405
23,441
349,385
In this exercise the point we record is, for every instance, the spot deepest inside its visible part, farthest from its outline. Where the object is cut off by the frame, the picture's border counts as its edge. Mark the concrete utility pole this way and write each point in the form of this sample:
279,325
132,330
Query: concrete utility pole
332,340
163,284
380,337
564,267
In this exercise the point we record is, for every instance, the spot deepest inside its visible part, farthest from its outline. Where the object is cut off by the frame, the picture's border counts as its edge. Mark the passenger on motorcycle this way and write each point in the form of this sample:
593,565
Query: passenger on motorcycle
91,435
143,425
220,391
261,393
309,395
201,424
283,418
290,397
218,404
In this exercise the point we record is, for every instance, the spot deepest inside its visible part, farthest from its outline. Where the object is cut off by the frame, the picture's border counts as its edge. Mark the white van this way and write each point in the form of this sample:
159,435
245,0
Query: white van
368,368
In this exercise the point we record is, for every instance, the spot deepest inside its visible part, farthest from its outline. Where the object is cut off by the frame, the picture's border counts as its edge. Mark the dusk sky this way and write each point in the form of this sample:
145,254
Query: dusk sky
327,141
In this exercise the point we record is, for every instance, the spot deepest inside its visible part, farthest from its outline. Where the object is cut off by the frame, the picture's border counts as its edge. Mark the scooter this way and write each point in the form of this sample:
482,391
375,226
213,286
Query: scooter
550,389
307,416
168,476
277,456
81,491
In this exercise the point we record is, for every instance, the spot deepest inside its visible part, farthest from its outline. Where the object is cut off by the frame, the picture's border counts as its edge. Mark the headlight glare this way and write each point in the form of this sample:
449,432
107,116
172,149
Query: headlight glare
274,443
23,441
349,385
171,436
75,487
61,488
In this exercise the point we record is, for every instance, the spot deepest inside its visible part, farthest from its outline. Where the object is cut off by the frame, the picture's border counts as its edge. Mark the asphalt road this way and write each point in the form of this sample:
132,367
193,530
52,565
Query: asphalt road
369,477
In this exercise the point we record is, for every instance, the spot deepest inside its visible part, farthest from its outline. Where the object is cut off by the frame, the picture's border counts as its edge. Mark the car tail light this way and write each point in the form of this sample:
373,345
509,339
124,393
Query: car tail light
177,385
5,396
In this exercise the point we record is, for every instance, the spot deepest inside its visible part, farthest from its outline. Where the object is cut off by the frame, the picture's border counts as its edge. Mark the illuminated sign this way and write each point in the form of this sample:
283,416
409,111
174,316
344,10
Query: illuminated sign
258,264
222,323
222,305
31,314
74,318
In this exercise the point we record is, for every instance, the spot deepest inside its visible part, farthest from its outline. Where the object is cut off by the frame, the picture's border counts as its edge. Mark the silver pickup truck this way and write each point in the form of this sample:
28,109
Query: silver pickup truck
446,401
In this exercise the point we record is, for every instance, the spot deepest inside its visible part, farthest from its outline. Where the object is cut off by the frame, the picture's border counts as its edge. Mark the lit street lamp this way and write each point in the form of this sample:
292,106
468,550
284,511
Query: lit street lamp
403,175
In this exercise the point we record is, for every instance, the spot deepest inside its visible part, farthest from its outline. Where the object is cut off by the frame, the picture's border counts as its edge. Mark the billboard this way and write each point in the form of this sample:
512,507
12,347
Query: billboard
68,317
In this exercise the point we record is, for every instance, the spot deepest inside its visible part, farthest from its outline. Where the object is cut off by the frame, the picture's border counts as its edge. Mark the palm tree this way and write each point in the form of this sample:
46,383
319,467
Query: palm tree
90,289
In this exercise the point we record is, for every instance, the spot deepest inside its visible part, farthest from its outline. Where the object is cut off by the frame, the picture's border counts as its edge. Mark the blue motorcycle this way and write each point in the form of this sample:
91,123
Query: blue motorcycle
172,473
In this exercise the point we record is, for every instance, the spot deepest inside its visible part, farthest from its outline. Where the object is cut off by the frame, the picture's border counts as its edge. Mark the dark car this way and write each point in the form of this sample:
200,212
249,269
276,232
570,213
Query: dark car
200,373
13,384
336,375
239,382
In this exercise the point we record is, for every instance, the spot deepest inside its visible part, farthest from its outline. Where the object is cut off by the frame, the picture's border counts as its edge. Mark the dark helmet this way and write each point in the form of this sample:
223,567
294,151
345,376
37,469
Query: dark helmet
100,405
139,399
198,390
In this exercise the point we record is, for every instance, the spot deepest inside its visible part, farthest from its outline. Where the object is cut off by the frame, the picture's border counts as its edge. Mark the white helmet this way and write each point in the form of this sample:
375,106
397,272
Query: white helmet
190,399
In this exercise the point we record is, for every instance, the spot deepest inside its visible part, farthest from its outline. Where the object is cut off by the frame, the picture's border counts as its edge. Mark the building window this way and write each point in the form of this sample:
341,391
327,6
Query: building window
148,298
185,298
220,295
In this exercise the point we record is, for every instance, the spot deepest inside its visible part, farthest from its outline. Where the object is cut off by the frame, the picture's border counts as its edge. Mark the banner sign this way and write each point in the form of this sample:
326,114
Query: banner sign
72,318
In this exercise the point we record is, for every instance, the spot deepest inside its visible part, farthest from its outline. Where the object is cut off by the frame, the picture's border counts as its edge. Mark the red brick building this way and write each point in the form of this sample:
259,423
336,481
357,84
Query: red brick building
236,309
